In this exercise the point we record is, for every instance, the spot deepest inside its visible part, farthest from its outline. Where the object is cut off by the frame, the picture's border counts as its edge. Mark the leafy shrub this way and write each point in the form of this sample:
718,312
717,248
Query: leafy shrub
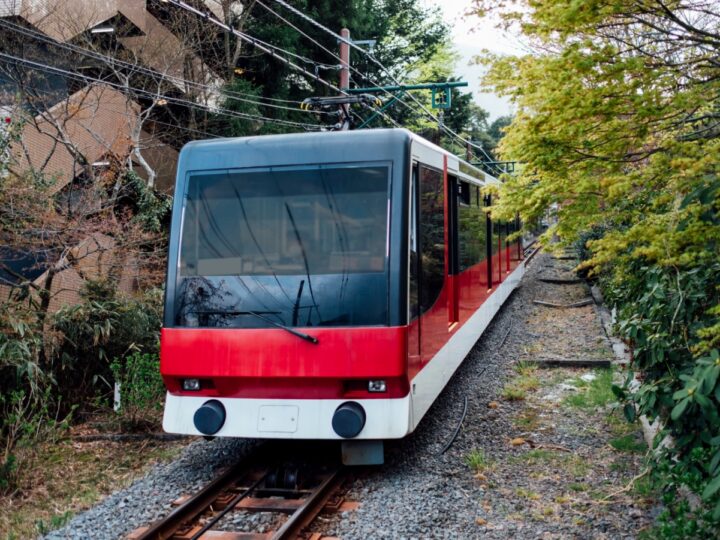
662,312
25,388
8,467
25,420
151,208
21,345
141,388
103,327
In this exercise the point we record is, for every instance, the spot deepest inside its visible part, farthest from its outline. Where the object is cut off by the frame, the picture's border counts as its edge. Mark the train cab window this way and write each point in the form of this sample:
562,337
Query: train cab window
300,247
432,236
472,228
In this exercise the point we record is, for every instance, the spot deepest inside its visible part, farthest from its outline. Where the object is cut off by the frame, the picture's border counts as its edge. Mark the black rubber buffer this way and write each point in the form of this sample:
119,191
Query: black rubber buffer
348,420
210,417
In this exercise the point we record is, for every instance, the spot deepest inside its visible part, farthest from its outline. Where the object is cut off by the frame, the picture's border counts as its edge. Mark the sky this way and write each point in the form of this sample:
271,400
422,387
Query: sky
471,35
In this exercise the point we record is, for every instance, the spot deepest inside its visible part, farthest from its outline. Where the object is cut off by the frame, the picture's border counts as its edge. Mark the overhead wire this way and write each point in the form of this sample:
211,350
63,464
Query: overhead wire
331,53
158,96
243,36
112,61
379,64
268,49
156,121
263,46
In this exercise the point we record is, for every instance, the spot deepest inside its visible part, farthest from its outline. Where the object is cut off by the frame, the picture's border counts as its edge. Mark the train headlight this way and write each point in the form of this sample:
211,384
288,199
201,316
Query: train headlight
191,384
377,386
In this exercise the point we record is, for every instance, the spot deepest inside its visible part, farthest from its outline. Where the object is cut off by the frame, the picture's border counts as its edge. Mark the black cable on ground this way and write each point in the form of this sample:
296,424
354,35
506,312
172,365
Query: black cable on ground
457,429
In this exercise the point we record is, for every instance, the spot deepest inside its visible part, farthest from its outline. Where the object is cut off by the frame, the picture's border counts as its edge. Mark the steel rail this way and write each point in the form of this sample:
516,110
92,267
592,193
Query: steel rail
194,506
309,510
183,519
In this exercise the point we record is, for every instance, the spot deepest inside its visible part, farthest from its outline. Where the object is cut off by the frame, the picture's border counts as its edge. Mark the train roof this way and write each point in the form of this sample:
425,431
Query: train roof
299,148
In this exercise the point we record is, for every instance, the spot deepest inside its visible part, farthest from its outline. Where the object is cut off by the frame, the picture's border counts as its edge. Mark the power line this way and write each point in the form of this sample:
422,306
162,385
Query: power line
157,96
241,35
308,37
328,51
429,113
334,55
263,46
109,60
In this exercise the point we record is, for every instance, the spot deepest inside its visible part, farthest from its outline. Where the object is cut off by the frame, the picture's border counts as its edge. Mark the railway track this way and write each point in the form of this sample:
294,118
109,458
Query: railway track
294,494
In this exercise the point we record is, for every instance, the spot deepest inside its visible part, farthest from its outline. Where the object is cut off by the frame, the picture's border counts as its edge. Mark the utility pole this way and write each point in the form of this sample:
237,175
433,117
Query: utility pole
441,125
345,76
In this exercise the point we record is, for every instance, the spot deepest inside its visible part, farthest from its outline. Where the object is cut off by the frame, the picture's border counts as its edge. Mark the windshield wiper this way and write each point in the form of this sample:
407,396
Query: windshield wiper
301,335
258,314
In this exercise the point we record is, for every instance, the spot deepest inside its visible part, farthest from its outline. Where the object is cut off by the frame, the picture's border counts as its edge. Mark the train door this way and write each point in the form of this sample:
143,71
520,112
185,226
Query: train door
433,262
451,247
489,243
414,359
432,234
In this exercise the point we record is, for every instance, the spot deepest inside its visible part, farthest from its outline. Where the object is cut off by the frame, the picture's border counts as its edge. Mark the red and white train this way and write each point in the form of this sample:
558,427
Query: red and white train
325,286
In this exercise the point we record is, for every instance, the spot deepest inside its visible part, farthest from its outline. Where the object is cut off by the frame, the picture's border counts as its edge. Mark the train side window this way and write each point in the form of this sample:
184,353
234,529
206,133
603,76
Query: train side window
489,244
432,236
472,230
414,292
464,193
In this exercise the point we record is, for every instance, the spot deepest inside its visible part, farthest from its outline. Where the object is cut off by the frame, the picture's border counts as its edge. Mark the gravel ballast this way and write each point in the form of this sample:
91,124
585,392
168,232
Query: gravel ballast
541,466
561,481
150,497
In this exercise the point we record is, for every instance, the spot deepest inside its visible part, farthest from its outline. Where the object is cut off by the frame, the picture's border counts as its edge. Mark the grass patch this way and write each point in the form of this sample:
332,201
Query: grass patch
577,466
525,381
513,393
528,420
525,369
535,456
644,487
578,486
628,443
554,378
592,394
56,522
527,494
61,479
478,461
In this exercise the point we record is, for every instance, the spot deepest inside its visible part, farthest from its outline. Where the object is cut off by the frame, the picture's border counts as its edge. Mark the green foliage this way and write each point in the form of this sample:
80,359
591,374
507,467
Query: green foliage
478,461
104,326
151,208
238,126
20,348
412,41
8,468
621,143
593,394
26,419
628,443
141,387
56,522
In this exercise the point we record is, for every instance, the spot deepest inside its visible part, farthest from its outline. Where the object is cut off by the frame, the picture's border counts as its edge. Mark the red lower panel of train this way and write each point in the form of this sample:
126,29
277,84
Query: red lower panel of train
272,363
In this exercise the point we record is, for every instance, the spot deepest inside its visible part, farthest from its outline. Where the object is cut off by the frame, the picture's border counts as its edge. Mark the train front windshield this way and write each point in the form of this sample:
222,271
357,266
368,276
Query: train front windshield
298,247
